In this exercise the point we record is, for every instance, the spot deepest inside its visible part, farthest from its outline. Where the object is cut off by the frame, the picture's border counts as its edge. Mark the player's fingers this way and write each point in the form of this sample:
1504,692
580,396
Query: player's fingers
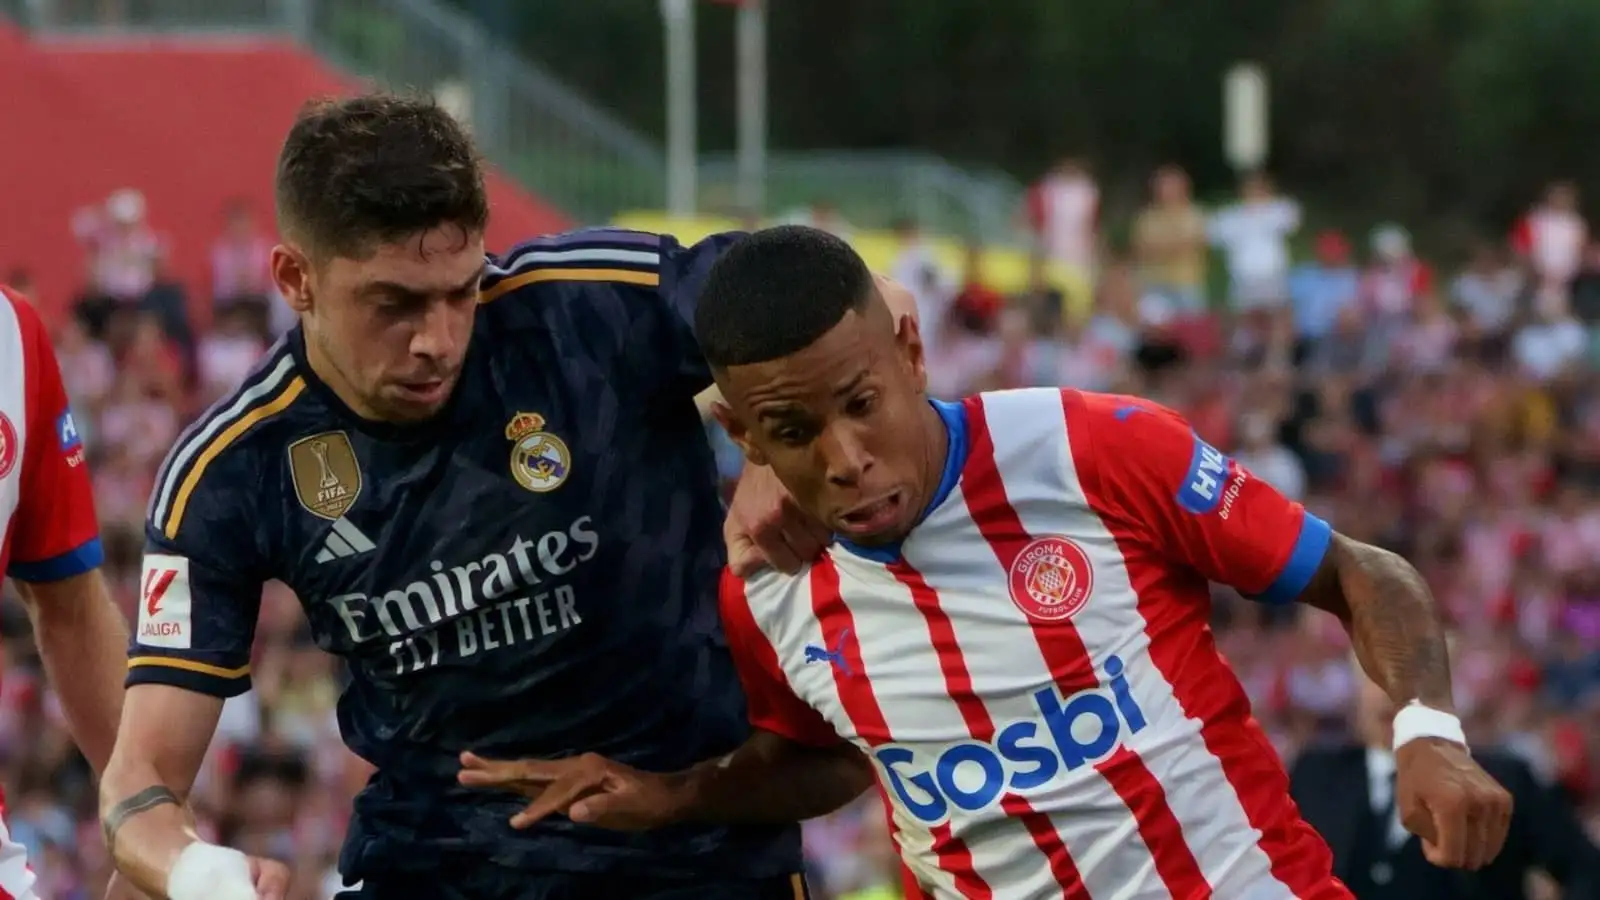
744,557
556,798
271,878
1453,832
773,546
1493,822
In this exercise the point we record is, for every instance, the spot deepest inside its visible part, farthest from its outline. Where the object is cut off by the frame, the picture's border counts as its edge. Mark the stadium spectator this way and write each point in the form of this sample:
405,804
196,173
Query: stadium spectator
1169,242
123,253
1253,235
916,267
1321,288
239,277
1553,236
1063,214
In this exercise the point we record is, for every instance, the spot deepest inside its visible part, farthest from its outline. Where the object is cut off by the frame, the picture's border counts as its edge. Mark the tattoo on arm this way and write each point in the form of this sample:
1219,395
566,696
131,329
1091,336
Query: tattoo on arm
149,798
1393,622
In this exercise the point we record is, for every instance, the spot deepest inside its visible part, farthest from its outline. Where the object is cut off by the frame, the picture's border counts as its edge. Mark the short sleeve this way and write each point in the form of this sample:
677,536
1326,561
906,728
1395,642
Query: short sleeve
1150,471
683,275
61,537
200,588
772,705
629,295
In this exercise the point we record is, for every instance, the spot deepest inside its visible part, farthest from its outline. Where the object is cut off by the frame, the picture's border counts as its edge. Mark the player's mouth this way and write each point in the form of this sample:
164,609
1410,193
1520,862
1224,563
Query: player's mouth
873,517
429,391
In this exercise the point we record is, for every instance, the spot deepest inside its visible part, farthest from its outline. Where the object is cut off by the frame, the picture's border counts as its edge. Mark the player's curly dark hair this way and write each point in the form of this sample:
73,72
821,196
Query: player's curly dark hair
360,171
775,292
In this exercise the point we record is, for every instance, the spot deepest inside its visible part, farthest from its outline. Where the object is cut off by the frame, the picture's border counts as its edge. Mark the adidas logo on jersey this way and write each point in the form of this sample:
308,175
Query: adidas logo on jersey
344,540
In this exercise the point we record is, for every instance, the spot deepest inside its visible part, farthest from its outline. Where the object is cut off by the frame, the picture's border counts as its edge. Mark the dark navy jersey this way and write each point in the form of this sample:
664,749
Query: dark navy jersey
531,573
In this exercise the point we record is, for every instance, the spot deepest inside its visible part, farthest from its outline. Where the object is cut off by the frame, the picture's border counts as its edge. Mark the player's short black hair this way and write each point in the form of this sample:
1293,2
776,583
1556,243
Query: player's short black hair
375,168
775,292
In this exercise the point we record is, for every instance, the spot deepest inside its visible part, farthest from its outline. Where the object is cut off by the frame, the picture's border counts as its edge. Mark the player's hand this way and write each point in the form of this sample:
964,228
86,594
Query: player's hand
589,789
271,877
1448,800
119,888
764,527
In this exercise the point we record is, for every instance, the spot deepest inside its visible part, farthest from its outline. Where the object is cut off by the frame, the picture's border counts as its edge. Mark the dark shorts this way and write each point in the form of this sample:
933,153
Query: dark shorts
499,884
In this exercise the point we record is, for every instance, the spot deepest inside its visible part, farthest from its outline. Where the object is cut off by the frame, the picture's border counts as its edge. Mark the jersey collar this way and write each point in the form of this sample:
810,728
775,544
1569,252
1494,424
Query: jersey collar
954,417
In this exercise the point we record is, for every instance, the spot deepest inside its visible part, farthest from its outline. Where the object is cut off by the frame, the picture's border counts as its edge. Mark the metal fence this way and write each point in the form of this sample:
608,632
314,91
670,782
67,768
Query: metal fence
564,148
875,190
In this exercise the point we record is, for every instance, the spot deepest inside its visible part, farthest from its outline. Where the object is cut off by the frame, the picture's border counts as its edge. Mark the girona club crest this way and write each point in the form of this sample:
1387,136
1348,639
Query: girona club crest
1051,579
8,446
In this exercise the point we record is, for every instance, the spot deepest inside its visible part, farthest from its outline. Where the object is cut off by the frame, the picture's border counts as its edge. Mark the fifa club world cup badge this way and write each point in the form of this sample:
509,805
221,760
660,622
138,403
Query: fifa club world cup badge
1051,579
8,446
327,478
540,461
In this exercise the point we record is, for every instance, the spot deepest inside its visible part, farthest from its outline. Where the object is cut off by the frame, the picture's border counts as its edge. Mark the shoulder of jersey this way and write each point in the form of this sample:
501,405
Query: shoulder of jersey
771,590
27,318
598,256
217,445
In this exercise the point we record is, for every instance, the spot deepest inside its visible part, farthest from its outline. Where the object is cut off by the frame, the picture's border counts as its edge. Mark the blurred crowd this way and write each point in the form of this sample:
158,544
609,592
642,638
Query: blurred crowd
1449,414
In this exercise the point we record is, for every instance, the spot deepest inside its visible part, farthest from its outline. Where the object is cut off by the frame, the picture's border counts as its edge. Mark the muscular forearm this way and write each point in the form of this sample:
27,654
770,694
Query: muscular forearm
83,640
773,779
1393,623
161,742
145,826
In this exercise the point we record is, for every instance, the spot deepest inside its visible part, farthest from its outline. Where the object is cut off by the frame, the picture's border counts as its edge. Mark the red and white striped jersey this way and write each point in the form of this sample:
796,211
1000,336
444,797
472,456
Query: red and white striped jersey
48,529
1032,672
47,523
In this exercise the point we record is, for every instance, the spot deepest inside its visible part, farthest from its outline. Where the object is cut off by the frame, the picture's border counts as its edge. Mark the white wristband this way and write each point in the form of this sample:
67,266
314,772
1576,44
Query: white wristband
207,872
1417,721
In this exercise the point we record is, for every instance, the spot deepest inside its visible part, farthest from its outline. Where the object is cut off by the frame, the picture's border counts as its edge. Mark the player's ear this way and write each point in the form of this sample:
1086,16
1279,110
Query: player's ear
908,340
730,423
291,274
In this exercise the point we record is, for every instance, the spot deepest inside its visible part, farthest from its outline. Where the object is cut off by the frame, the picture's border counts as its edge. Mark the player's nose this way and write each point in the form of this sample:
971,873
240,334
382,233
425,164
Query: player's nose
845,455
441,332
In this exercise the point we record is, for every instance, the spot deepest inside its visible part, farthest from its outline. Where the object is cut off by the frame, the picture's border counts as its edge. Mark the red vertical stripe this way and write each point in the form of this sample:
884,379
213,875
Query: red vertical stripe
861,705
1072,669
1183,650
958,683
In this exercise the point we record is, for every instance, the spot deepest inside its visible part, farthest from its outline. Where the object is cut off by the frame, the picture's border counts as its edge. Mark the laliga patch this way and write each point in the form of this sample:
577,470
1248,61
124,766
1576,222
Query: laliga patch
1201,491
165,602
1051,579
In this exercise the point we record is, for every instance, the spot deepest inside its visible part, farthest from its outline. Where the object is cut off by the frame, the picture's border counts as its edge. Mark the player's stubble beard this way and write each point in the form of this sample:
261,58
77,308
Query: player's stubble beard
323,355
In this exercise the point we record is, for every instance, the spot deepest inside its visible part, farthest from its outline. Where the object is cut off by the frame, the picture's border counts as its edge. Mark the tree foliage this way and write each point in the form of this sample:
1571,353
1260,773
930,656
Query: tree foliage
1421,110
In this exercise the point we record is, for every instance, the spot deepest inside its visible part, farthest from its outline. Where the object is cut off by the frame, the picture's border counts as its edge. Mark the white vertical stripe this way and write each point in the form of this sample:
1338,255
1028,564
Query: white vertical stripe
1007,668
1214,823
14,406
16,878
898,650
782,608
178,462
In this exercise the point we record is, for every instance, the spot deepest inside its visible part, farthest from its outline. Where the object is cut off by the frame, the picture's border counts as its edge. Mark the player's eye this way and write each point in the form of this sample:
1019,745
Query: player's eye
861,404
793,435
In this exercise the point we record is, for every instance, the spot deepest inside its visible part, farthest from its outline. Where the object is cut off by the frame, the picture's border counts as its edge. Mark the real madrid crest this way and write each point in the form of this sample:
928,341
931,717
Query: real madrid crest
327,478
540,461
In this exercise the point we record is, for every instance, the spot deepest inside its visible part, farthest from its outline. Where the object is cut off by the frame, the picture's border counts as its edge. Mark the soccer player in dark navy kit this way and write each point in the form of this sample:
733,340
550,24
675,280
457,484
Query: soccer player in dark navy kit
490,490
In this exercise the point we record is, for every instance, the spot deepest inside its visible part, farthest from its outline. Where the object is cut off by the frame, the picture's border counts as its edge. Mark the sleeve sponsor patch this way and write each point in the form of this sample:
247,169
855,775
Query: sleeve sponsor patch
165,602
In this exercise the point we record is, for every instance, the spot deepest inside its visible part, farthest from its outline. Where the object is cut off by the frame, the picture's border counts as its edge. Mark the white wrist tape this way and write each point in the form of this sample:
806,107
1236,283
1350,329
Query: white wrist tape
1417,721
207,872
